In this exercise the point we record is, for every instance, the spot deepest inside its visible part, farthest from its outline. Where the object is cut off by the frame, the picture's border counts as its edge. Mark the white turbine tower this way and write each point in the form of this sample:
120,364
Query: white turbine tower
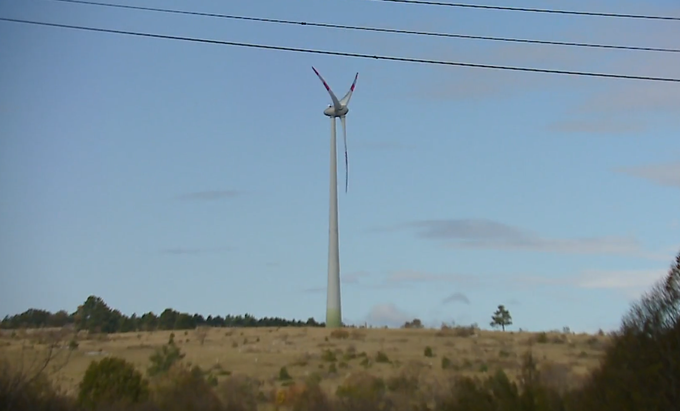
337,109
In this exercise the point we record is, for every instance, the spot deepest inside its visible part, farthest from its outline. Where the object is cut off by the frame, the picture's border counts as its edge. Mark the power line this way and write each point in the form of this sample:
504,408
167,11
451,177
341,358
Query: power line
371,29
343,54
532,10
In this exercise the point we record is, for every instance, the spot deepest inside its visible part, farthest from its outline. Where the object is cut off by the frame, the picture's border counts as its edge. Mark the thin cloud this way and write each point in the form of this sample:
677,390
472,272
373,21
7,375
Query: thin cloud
667,174
593,246
471,84
480,234
628,282
387,315
456,298
314,290
414,276
403,279
633,99
600,107
211,195
467,229
353,278
620,279
624,107
193,251
382,145
599,126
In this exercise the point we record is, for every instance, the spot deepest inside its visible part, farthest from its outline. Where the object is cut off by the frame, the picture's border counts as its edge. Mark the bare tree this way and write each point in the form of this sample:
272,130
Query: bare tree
18,376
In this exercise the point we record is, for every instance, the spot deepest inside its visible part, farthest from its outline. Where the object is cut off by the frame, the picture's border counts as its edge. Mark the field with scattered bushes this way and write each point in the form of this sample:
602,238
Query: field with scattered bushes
261,353
449,369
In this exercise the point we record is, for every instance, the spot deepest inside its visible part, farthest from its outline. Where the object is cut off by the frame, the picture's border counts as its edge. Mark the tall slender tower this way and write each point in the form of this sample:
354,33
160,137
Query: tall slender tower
337,109
333,309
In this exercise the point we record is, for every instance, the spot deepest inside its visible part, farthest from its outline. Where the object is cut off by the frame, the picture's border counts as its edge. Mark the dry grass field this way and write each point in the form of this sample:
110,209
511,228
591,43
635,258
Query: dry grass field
333,354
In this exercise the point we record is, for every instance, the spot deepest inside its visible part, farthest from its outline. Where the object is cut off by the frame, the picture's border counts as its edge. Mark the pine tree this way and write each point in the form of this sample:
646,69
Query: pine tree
501,318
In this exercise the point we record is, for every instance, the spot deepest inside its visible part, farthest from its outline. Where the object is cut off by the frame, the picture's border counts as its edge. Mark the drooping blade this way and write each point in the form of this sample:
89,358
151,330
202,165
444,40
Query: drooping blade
344,135
336,103
345,100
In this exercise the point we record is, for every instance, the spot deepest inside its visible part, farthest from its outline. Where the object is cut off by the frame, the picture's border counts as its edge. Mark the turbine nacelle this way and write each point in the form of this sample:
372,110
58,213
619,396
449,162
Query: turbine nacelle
330,111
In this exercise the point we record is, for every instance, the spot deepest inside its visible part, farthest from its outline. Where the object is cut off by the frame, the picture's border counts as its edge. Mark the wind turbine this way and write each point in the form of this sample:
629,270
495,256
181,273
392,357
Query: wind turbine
337,109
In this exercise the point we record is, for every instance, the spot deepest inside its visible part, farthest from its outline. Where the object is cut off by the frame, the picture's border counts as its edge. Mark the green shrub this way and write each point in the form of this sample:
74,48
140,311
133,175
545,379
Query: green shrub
313,378
559,339
309,397
340,334
183,388
446,363
381,357
164,358
239,392
404,383
328,356
457,331
428,351
361,391
504,391
350,353
284,375
112,381
542,338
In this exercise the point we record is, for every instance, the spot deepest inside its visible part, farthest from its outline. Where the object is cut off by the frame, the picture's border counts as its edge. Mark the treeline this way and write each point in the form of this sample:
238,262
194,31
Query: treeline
95,315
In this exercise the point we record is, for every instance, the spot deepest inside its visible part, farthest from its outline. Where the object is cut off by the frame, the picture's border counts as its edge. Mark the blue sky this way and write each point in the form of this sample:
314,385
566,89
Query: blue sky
157,173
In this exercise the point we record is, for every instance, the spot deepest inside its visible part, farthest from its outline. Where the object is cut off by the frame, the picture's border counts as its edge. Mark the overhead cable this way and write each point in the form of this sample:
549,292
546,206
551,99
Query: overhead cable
533,10
372,29
342,54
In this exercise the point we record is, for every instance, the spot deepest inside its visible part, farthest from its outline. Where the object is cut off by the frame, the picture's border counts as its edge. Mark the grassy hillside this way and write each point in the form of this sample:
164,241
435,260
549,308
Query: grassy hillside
262,352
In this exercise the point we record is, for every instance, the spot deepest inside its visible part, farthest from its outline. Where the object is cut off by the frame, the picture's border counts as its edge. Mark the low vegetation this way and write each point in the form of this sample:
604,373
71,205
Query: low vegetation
634,368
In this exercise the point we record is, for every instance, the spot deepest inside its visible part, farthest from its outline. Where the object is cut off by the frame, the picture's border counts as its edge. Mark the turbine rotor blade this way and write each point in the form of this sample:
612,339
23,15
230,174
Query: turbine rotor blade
344,135
345,100
336,103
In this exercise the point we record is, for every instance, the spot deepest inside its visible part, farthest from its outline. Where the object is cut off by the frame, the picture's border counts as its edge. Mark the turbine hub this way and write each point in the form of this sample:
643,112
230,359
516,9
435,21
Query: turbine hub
330,111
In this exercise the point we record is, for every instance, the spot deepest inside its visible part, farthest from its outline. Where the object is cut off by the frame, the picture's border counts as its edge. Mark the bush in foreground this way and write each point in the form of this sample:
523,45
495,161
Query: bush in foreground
112,381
